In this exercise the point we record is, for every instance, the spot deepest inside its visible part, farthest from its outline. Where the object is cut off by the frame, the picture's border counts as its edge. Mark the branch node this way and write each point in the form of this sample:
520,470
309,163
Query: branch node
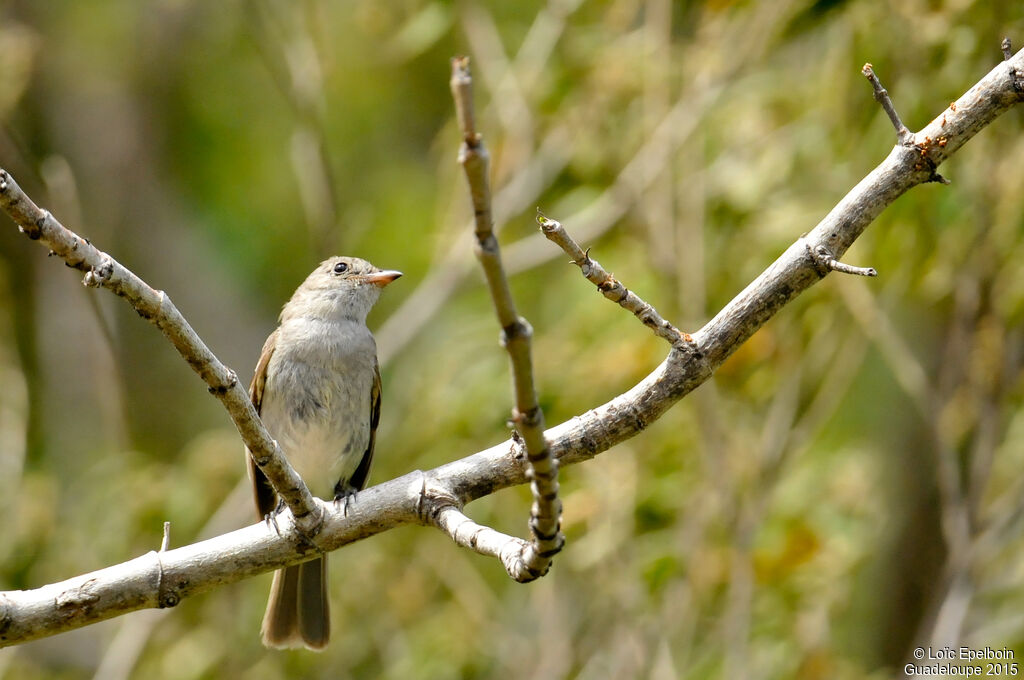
35,230
486,242
903,135
164,600
546,223
824,262
587,266
520,329
1018,75
554,536
100,275
548,554
229,384
551,475
530,418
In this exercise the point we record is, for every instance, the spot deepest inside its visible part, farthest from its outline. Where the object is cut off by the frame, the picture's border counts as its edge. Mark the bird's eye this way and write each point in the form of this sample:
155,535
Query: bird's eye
340,268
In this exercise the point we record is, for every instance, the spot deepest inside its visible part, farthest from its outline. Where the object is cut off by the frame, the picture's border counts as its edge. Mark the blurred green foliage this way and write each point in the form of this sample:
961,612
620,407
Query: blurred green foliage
787,520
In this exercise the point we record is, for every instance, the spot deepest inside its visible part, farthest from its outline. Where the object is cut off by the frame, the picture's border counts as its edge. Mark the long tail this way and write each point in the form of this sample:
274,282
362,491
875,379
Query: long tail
297,613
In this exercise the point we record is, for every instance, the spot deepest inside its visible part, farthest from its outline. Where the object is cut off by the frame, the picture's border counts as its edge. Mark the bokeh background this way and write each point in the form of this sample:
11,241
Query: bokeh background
848,485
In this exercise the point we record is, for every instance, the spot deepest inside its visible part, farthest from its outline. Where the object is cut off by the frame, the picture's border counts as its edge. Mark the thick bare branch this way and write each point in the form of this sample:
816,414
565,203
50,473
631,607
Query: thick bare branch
163,579
101,270
545,515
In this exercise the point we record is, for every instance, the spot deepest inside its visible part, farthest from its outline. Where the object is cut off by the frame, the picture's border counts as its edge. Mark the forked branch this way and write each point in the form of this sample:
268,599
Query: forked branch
164,578
534,558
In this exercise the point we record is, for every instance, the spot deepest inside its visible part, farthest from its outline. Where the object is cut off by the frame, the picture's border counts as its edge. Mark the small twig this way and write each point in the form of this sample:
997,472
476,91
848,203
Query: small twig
611,287
101,270
903,134
1018,74
825,262
166,542
533,558
462,92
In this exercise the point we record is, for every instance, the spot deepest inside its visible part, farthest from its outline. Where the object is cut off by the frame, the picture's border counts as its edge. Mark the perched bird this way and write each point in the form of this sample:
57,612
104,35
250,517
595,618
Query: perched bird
317,389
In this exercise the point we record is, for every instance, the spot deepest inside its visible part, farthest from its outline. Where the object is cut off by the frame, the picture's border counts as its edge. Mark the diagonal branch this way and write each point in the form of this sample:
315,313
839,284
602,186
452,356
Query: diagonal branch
101,270
162,579
534,558
611,287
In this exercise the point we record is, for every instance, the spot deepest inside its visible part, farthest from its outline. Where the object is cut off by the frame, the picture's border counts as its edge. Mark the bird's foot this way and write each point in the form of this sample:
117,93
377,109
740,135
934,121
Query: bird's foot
343,496
271,519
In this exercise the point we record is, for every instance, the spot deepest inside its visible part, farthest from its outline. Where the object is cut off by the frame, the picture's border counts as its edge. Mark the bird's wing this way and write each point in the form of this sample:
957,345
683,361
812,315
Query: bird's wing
358,478
262,491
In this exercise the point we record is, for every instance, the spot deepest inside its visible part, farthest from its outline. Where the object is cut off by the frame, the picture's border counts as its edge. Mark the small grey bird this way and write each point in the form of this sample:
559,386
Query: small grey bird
317,389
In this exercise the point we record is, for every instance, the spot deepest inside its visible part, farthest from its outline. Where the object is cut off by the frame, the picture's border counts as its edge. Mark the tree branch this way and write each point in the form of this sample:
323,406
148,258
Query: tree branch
164,578
903,135
609,286
101,270
534,558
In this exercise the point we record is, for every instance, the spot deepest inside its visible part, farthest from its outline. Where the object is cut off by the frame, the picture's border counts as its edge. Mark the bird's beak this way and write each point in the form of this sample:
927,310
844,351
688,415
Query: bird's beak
383,278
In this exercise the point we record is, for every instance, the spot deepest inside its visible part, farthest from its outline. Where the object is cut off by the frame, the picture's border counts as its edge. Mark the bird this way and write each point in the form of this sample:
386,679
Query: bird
317,390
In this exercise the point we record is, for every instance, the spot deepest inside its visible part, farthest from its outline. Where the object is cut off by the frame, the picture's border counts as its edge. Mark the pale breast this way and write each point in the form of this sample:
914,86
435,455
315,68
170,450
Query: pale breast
316,402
